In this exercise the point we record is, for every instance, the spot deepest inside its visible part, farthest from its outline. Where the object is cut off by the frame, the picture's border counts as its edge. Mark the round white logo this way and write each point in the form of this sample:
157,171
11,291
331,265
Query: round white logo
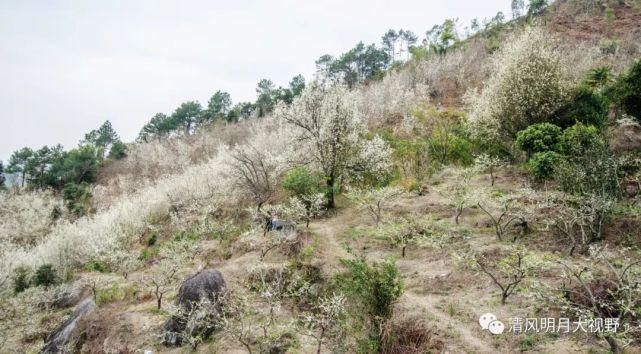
485,320
488,321
496,327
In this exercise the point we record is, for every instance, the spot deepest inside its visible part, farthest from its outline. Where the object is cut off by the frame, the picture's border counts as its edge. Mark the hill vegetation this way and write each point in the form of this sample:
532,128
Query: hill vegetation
382,206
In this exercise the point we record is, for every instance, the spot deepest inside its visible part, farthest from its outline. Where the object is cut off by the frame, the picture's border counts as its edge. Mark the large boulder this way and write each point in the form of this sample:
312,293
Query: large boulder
198,305
67,332
625,136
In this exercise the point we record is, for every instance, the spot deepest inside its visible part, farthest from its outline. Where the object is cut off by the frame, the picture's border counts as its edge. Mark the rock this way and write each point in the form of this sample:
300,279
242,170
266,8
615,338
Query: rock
67,332
206,284
69,296
281,225
631,188
625,137
199,306
442,276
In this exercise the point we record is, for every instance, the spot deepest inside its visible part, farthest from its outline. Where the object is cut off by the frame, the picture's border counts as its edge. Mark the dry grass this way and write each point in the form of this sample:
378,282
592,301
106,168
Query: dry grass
167,186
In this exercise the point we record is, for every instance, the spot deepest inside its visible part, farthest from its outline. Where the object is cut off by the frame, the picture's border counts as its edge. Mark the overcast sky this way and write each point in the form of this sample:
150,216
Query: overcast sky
67,66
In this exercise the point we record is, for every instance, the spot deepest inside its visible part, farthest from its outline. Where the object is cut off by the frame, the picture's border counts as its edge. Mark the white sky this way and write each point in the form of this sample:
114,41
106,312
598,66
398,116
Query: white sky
66,66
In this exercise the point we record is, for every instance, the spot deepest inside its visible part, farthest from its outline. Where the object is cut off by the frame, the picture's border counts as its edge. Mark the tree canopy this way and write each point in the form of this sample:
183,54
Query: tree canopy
102,139
218,107
187,115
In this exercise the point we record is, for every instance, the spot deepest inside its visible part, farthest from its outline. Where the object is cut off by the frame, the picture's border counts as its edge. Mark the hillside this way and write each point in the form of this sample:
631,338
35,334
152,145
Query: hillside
500,175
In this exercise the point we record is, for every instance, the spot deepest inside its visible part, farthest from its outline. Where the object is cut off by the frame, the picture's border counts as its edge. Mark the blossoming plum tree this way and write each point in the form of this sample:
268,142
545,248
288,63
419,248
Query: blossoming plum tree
326,124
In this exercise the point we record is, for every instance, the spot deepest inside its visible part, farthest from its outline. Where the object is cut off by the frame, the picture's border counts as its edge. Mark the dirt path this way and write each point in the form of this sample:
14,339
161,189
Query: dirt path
413,300
330,251
466,336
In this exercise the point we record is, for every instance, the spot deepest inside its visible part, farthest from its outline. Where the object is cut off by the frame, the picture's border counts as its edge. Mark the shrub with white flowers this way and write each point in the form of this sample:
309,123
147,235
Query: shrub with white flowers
26,217
488,163
390,100
325,322
528,86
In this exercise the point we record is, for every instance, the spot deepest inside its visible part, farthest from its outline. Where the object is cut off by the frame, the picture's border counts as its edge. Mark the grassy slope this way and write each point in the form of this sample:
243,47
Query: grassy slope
439,287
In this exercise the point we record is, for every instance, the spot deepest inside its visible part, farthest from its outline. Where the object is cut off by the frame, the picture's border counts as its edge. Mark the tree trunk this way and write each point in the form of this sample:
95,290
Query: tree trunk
320,341
159,301
330,193
308,213
614,346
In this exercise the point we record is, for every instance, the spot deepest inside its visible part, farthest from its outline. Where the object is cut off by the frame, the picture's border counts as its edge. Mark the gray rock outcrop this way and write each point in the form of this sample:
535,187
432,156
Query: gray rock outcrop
67,331
199,306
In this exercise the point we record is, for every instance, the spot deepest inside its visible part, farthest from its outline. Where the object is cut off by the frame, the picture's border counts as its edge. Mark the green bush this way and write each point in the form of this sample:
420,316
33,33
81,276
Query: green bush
528,342
629,164
151,240
77,197
20,279
301,182
56,212
97,266
45,275
148,254
412,160
75,166
578,139
377,287
118,150
587,106
599,78
186,235
543,164
112,294
447,139
458,150
223,231
535,7
628,91
595,172
542,137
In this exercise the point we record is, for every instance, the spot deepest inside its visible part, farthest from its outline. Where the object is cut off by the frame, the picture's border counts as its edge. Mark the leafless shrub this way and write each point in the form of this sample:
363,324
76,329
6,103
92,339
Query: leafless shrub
615,296
581,220
410,335
199,320
511,212
461,194
257,326
325,322
372,200
406,233
507,275
254,174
